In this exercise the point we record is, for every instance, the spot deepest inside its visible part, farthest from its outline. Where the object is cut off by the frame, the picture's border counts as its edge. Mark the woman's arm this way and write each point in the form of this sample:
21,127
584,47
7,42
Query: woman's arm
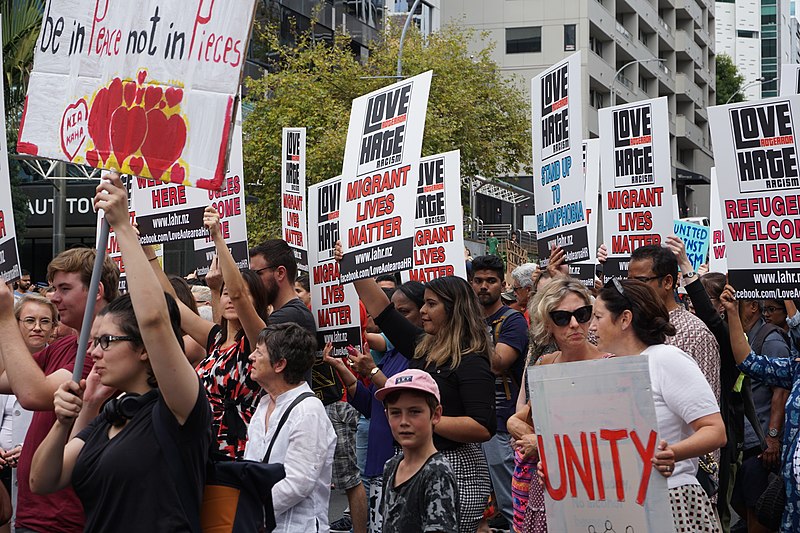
739,344
166,357
462,429
234,282
709,435
54,460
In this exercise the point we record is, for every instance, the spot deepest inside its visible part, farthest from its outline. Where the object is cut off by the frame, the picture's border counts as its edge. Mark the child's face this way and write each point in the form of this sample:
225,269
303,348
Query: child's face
411,421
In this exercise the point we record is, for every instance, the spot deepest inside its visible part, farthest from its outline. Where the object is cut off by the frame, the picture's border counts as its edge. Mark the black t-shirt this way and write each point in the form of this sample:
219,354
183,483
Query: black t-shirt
467,390
294,311
125,484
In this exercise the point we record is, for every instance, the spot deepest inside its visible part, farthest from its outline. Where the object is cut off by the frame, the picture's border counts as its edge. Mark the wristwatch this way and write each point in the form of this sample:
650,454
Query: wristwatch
373,372
689,275
773,433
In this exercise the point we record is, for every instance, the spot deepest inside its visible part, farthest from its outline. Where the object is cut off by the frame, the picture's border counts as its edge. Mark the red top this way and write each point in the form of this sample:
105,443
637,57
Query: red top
59,512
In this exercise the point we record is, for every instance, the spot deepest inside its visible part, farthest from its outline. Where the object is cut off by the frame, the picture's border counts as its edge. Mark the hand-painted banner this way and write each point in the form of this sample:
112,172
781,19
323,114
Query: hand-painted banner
636,179
585,270
379,175
229,202
599,476
696,238
559,184
790,79
756,153
145,87
334,305
293,193
9,254
717,260
439,237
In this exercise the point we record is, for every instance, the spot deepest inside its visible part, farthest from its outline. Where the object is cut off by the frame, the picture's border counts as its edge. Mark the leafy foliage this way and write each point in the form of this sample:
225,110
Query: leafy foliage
312,83
729,81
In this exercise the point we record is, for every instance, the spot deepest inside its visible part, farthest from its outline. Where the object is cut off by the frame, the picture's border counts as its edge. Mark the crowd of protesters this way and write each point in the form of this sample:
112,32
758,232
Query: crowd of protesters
425,427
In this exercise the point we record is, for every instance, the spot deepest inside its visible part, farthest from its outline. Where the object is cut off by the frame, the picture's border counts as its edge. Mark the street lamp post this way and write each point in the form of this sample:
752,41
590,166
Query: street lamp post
750,84
623,67
403,38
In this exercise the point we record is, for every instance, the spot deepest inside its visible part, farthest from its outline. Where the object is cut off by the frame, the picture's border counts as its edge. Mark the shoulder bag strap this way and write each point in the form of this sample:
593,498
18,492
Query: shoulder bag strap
283,420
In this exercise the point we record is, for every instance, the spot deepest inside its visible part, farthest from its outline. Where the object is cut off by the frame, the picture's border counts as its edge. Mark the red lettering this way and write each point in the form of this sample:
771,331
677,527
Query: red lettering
598,469
612,436
573,465
647,455
560,492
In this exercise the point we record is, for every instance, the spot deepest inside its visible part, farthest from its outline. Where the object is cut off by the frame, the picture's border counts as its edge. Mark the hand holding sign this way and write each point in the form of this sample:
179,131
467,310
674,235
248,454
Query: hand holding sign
112,198
211,221
68,401
728,300
664,459
6,300
675,244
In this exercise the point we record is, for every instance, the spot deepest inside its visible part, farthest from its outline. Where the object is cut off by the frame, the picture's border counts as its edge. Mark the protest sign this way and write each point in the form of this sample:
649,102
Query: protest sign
167,212
585,270
676,214
717,261
334,305
696,238
559,184
9,254
229,202
379,172
790,79
112,247
597,460
636,179
756,151
439,237
293,193
149,88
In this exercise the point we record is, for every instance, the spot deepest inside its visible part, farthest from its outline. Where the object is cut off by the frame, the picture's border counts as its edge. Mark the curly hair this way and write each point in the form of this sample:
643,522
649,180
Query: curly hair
547,300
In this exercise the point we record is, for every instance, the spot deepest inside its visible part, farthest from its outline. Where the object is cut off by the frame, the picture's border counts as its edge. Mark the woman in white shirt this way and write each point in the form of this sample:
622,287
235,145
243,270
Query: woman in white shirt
630,319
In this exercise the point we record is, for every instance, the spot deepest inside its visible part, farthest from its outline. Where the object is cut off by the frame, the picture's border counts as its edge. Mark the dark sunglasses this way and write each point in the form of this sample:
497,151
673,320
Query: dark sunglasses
581,314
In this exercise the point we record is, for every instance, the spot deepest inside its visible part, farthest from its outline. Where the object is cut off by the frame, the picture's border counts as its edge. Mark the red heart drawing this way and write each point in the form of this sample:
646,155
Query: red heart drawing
129,90
74,126
98,123
152,96
136,165
139,96
177,174
174,96
164,143
141,76
128,130
93,158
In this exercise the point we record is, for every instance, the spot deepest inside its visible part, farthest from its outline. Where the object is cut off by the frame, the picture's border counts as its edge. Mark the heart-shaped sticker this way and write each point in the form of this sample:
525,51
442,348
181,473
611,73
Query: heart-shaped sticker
74,127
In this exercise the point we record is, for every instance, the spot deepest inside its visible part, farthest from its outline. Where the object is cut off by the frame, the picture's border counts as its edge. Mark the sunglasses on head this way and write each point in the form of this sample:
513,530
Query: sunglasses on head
581,314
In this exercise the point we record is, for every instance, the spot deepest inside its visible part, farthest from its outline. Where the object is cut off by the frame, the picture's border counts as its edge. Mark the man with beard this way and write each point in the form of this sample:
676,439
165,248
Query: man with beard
509,331
22,285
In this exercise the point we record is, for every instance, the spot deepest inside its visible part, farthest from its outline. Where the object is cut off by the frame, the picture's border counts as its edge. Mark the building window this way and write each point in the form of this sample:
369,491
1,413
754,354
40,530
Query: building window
596,45
523,40
747,34
595,99
643,83
643,37
569,37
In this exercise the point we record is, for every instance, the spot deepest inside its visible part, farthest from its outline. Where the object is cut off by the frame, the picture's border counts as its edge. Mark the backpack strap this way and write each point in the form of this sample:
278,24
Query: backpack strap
283,420
497,323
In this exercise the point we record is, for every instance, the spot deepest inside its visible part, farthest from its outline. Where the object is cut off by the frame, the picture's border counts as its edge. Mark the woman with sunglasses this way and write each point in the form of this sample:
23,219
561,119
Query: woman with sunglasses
630,319
560,316
122,455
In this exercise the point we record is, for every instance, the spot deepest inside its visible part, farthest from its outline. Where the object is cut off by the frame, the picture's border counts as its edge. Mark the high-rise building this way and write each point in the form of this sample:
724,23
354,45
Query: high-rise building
757,34
622,38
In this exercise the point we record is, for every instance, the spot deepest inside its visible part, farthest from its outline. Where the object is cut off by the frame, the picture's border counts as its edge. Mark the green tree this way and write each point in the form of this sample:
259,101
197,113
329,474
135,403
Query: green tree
729,80
472,107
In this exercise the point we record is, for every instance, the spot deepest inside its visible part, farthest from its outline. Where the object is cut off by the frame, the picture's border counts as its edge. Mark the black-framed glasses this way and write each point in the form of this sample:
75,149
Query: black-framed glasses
645,279
105,340
260,270
771,309
562,318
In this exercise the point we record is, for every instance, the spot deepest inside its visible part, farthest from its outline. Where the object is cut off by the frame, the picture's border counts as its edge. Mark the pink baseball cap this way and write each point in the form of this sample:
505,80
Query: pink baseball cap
411,379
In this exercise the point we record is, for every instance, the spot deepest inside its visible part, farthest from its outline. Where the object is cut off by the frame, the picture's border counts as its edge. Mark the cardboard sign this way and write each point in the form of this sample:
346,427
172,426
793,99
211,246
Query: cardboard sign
112,247
229,202
717,260
636,179
559,183
585,270
147,87
293,193
790,79
439,237
9,254
334,305
167,212
379,175
756,152
696,239
597,461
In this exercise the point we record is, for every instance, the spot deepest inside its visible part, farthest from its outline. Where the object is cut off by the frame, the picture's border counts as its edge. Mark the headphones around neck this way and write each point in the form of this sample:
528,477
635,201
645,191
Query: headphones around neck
117,411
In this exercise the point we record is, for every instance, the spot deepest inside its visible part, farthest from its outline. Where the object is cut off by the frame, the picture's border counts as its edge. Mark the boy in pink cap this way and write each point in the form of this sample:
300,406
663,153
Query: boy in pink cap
419,486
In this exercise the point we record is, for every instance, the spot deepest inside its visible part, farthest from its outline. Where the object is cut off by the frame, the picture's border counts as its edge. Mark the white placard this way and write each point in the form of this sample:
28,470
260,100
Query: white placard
597,460
439,237
636,179
379,176
559,183
147,87
9,254
585,270
293,193
756,152
790,79
717,260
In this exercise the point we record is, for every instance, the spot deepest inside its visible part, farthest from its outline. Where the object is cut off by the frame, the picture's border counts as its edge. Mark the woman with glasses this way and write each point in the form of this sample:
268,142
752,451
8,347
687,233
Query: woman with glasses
123,455
37,317
560,316
630,319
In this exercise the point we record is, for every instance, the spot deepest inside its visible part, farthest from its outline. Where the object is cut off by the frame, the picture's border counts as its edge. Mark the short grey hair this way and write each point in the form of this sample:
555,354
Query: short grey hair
522,274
